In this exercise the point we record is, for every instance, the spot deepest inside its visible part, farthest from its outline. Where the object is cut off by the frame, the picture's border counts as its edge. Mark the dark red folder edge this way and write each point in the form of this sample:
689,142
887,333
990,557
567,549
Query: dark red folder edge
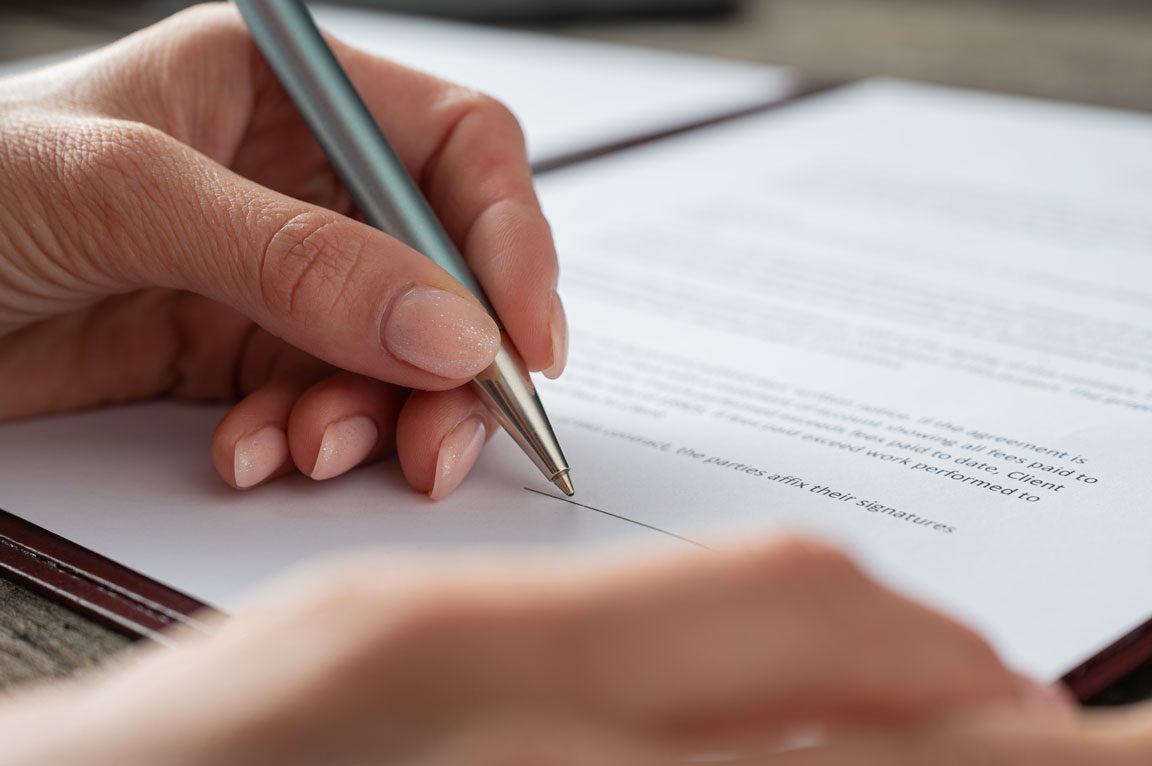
137,606
108,593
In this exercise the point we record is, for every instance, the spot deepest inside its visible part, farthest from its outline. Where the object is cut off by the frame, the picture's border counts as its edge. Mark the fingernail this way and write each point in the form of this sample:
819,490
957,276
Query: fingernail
458,452
559,327
1040,696
345,445
441,333
258,455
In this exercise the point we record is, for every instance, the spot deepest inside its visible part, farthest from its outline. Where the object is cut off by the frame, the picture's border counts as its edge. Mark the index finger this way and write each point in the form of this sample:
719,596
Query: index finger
467,152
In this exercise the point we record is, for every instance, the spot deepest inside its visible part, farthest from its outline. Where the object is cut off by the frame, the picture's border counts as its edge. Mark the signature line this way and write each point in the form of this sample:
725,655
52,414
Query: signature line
618,516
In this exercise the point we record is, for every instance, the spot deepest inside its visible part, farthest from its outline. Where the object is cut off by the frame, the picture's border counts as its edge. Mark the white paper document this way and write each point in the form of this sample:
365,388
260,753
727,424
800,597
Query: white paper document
914,321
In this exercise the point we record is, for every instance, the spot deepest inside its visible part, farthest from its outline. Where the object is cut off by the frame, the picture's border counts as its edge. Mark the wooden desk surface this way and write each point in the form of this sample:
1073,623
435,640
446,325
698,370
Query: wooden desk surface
1094,51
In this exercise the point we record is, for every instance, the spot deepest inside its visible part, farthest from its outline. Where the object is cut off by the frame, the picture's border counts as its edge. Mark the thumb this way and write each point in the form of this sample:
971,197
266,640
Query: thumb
329,285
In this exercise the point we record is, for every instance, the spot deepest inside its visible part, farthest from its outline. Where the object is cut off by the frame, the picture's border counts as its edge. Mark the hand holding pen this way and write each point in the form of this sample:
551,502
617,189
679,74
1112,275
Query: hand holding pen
387,197
237,269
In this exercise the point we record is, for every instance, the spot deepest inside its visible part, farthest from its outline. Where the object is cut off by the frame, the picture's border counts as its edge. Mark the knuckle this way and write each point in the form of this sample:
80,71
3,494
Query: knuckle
206,22
307,264
203,44
500,114
189,38
478,119
480,106
176,71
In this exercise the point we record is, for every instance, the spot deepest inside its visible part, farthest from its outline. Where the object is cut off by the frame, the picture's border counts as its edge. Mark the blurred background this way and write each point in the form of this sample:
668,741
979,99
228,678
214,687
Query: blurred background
1092,51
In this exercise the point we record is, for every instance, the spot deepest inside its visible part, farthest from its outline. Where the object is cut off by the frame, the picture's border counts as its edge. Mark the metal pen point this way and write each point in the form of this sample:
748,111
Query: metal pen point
564,482
389,200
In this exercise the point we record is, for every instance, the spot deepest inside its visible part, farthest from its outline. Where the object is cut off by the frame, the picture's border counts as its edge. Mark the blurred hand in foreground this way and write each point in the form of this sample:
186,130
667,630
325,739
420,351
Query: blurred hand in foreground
647,664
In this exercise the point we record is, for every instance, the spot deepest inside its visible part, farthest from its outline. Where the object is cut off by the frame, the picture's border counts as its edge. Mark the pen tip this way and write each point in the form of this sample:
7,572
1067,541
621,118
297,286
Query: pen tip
564,482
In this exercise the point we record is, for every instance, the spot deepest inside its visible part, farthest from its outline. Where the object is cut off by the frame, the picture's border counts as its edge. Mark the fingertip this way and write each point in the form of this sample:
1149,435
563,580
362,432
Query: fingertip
438,441
258,456
251,444
346,444
342,422
457,454
558,329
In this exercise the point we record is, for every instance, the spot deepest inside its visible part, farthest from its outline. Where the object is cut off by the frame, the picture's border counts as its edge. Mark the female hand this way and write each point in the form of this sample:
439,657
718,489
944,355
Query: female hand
643,665
169,227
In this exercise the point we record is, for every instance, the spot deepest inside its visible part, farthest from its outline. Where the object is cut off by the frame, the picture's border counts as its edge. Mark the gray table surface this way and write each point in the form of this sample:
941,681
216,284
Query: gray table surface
1093,51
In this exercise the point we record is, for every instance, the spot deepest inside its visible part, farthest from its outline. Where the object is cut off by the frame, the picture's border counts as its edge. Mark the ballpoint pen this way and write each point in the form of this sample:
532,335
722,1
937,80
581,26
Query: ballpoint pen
390,200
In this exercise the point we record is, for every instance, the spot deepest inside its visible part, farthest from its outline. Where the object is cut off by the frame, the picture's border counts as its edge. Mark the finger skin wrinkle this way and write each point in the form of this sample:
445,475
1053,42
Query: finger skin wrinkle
306,264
